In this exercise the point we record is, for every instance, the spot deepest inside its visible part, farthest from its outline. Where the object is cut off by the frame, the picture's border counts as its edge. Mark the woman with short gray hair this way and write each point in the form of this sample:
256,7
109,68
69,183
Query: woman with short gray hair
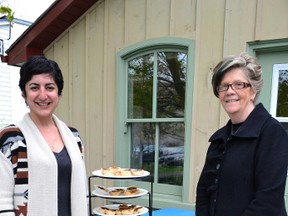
246,164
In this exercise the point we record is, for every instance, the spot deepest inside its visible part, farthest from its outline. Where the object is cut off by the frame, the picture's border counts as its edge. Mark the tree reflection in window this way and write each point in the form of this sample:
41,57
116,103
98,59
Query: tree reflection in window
171,84
140,87
171,78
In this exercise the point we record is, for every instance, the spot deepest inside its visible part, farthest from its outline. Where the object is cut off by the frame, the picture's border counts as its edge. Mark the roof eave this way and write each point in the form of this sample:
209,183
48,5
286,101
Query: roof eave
53,22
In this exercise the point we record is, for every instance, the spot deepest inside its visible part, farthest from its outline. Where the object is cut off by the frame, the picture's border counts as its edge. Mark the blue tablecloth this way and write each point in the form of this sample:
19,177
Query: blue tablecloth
171,212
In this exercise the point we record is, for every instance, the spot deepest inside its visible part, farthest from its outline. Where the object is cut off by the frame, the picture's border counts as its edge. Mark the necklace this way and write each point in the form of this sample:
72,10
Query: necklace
235,128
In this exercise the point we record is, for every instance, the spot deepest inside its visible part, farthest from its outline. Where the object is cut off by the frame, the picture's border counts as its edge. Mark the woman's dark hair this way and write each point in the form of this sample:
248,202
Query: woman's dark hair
40,65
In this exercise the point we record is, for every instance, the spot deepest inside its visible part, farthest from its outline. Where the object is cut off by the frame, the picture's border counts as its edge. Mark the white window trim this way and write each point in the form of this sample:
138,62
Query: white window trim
274,91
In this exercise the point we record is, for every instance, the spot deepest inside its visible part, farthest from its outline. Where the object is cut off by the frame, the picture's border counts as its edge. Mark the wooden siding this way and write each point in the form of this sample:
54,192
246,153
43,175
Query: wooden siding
5,97
87,51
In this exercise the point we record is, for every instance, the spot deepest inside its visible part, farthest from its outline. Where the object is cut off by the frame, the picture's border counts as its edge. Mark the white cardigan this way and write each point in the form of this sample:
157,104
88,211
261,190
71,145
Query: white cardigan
42,172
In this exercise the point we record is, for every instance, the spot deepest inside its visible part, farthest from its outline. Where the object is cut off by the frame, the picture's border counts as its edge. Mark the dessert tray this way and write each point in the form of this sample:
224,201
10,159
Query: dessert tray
120,209
120,173
118,192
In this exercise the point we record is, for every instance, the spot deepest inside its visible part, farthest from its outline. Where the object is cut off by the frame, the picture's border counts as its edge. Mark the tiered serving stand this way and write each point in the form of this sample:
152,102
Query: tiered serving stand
105,195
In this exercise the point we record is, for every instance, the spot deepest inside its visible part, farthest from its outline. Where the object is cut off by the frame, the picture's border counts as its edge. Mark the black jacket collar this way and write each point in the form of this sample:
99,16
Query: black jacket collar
250,128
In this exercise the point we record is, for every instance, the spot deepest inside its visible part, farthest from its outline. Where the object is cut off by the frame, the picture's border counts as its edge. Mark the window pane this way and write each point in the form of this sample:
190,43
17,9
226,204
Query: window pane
143,146
282,102
171,155
171,74
140,87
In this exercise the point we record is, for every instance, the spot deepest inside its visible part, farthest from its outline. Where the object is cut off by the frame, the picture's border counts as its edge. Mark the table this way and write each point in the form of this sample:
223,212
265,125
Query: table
171,212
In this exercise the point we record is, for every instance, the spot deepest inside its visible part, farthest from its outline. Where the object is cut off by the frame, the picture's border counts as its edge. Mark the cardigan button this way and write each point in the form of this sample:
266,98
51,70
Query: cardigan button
217,166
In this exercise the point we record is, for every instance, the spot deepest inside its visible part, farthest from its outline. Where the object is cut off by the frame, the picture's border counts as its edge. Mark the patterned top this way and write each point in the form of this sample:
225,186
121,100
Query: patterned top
13,147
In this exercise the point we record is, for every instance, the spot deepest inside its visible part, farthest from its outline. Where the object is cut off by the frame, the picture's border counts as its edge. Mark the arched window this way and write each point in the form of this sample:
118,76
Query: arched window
154,112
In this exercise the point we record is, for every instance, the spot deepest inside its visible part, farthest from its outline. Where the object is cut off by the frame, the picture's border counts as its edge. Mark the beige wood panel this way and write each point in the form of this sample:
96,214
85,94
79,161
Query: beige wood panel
95,154
135,21
60,54
272,19
184,24
115,14
239,25
114,35
94,85
77,68
158,17
209,43
50,54
210,28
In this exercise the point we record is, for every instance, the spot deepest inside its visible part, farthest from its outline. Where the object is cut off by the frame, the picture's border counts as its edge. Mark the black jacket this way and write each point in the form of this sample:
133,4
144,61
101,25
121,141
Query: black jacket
244,174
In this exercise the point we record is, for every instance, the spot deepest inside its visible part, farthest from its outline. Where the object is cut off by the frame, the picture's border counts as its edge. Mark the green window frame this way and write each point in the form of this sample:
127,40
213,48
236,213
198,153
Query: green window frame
272,55
177,195
269,53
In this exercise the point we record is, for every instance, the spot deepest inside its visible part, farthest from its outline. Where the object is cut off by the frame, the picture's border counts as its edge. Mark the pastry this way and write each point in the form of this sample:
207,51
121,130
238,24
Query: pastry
131,191
125,172
102,188
118,171
137,172
111,212
116,192
126,209
123,209
103,210
110,171
138,210
114,169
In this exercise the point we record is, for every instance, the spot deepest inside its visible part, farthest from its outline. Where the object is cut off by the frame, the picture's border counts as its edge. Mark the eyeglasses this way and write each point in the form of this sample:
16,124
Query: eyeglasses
234,86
